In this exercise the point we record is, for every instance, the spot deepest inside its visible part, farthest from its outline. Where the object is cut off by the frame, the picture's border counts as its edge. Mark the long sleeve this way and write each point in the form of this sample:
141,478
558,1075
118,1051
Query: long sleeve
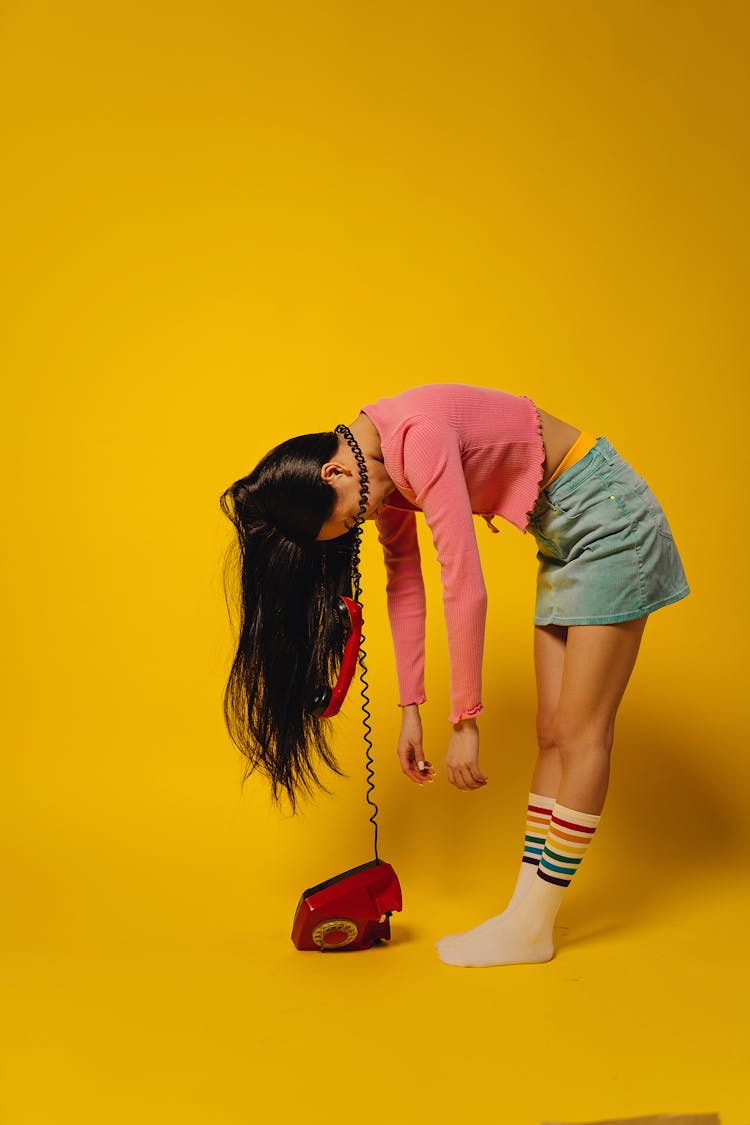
397,531
453,450
432,463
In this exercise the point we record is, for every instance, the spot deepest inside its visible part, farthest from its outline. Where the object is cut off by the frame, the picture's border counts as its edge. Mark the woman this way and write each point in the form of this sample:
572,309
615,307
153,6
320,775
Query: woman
607,560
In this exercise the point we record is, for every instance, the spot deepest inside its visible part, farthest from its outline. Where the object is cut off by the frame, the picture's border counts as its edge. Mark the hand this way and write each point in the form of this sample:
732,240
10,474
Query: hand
462,759
409,750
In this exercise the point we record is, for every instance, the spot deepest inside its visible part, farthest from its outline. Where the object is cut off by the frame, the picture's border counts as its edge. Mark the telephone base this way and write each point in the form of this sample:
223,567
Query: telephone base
349,911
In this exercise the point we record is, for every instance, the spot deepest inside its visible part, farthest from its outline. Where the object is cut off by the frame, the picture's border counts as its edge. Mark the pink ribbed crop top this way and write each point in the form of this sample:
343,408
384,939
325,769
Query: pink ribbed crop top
452,451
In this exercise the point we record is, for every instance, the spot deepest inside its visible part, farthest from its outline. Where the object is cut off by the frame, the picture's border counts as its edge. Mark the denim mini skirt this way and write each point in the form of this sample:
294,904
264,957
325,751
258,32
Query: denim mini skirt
605,549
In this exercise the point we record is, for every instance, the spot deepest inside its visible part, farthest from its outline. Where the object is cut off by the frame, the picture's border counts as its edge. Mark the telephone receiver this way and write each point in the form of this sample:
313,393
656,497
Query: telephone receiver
327,701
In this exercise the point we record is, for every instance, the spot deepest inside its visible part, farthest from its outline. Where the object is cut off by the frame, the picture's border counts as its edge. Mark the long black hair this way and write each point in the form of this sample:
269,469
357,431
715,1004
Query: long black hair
290,641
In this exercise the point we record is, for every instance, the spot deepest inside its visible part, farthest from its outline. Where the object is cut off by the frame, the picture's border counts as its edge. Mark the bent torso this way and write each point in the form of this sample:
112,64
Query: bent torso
558,436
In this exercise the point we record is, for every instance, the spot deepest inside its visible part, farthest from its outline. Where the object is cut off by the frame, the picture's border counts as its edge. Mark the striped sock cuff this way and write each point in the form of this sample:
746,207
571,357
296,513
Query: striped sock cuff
570,833
537,822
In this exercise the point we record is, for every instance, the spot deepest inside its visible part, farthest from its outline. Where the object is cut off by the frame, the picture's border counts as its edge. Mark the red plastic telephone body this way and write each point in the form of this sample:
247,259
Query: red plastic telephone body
349,911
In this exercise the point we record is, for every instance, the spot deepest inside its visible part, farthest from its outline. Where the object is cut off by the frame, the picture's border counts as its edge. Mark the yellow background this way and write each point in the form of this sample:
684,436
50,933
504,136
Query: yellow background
229,223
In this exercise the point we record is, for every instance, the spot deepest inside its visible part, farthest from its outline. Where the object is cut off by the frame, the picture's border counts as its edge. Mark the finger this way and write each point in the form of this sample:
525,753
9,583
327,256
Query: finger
412,770
478,778
476,772
416,760
460,778
413,773
407,764
469,780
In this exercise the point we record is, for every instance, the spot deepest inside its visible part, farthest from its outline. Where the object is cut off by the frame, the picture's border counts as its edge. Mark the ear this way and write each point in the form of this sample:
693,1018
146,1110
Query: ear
332,470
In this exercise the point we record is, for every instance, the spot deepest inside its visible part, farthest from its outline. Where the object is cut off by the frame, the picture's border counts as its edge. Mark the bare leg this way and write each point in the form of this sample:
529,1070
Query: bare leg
597,665
549,659
598,662
549,663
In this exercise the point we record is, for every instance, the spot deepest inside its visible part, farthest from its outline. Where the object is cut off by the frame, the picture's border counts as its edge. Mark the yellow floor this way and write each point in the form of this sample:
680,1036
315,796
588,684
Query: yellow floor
196,1007
213,1035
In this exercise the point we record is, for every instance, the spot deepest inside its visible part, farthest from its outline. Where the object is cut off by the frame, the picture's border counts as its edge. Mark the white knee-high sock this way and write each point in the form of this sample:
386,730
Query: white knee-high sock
524,934
569,835
538,814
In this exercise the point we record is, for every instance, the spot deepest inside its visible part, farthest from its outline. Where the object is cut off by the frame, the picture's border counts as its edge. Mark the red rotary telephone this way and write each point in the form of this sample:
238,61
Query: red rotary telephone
352,910
349,911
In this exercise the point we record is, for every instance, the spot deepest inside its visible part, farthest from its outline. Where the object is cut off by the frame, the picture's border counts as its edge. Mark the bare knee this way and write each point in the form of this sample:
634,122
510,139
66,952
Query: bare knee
545,734
577,738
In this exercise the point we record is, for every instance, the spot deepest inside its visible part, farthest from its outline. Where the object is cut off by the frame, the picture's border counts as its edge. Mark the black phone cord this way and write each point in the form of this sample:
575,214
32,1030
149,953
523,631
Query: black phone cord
364,492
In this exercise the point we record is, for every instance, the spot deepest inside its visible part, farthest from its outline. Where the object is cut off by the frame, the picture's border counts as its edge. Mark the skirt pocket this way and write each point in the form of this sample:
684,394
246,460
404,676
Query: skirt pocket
653,509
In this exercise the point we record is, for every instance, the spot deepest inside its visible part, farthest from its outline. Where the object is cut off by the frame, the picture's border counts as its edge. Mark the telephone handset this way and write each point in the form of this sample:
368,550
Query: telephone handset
327,701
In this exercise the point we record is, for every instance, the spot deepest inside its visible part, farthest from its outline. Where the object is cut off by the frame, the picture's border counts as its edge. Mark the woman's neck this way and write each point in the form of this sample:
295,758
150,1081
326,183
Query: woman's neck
367,437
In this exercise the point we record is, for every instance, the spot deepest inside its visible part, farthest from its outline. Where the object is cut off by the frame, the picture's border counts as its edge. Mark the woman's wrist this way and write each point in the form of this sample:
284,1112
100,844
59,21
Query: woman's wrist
465,724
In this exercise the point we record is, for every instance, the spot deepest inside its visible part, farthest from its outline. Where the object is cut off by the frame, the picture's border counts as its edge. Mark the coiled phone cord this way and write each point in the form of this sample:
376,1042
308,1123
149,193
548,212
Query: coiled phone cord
364,491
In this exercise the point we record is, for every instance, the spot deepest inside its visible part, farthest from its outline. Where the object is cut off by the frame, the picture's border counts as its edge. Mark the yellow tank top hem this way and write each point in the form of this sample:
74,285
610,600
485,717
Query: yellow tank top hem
583,444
